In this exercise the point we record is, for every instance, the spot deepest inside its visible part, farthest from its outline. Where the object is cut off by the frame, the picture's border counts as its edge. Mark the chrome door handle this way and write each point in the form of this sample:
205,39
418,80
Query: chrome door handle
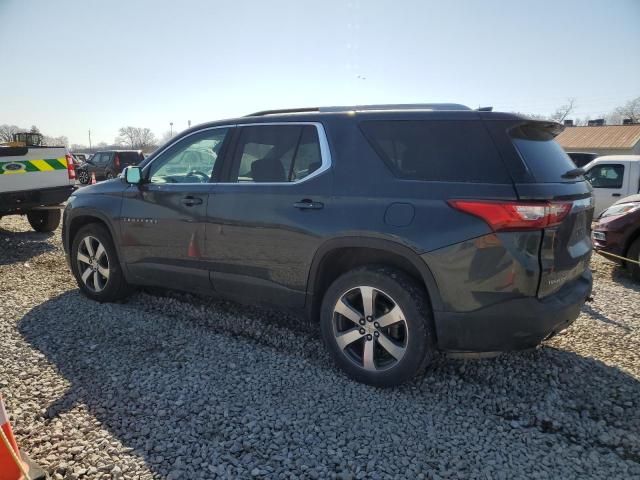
308,205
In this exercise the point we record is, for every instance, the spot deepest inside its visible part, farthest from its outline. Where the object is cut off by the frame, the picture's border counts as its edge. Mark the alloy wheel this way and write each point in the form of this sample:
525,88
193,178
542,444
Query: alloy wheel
93,264
370,328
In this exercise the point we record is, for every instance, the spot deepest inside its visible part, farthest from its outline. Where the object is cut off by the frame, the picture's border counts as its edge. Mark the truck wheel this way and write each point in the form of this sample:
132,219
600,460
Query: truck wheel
95,265
634,254
377,324
44,220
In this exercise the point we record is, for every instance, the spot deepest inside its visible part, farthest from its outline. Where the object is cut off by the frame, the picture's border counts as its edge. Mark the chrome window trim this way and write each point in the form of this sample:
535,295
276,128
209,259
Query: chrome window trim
325,154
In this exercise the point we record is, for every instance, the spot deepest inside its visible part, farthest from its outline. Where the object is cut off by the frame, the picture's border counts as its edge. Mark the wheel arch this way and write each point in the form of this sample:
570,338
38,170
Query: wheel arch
85,217
340,255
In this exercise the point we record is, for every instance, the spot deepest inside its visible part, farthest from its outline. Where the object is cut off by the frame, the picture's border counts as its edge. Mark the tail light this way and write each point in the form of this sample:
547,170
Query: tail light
71,168
116,161
503,216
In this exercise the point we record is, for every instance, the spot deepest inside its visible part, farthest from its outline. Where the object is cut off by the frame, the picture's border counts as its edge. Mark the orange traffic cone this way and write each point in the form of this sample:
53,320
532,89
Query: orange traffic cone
13,464
93,178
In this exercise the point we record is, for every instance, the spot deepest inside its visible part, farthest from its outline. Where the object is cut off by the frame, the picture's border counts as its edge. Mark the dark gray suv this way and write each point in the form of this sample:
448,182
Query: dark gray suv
403,230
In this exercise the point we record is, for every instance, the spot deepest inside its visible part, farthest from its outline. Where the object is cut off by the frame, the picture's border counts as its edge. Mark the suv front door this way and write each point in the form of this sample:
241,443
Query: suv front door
265,224
162,220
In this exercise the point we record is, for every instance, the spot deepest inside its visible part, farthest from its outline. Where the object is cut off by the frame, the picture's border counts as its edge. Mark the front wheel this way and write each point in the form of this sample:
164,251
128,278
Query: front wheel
44,220
377,325
95,265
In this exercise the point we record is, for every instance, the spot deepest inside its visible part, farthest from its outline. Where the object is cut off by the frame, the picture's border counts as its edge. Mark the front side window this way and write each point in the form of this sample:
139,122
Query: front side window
192,160
276,153
606,176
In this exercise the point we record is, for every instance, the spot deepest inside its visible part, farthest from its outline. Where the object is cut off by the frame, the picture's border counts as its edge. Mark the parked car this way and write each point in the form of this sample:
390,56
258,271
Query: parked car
617,231
613,177
403,230
582,158
108,164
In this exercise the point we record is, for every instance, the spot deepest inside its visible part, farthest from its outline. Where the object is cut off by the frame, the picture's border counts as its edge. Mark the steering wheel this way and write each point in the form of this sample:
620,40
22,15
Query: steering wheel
198,173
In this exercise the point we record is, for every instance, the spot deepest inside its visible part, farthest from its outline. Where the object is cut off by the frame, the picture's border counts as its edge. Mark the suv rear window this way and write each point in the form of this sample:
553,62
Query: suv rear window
130,158
437,150
544,157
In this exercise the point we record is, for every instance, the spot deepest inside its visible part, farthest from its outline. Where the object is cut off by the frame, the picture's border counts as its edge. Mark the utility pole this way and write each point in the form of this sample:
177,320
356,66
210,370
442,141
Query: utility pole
189,123
171,130
89,140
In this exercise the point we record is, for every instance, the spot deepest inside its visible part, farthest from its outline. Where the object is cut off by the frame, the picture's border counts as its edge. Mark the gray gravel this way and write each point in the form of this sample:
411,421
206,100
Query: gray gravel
172,386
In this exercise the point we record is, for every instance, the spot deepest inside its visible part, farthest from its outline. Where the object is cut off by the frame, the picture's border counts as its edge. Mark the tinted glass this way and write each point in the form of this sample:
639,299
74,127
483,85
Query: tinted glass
191,160
606,176
277,153
129,158
448,151
544,157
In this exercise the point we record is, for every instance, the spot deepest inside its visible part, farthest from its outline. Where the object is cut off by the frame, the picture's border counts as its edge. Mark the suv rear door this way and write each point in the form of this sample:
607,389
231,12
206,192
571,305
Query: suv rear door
540,169
263,224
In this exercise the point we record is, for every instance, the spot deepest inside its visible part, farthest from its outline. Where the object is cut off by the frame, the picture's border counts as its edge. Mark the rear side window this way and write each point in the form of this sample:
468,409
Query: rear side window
543,156
277,153
606,176
437,150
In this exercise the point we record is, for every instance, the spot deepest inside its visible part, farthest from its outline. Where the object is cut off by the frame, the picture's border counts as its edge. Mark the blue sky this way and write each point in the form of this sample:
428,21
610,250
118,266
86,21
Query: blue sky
71,65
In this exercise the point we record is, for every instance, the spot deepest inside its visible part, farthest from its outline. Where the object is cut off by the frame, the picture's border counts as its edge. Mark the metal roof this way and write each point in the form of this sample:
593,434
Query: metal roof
607,136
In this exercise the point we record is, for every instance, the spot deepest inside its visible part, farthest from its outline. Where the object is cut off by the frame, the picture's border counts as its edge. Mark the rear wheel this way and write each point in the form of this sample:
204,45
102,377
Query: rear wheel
44,220
634,254
83,177
376,323
95,264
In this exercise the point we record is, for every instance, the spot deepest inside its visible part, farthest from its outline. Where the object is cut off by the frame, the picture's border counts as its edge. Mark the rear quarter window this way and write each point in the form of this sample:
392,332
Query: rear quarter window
130,158
543,156
437,150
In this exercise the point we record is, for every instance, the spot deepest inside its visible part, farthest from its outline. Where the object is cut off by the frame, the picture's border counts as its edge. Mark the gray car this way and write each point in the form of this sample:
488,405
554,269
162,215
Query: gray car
402,230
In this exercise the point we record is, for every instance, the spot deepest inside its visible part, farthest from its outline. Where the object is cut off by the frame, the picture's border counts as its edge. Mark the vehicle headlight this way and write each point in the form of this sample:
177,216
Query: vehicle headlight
620,209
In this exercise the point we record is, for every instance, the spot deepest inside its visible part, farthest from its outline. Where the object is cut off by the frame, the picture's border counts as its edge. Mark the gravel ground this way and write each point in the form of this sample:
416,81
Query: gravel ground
178,387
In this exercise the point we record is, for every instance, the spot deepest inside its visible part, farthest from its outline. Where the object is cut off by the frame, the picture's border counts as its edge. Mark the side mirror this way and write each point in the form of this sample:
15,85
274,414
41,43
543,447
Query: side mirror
133,175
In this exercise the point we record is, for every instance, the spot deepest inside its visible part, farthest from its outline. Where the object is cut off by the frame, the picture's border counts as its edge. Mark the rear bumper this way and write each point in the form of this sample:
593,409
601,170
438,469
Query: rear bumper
25,200
514,324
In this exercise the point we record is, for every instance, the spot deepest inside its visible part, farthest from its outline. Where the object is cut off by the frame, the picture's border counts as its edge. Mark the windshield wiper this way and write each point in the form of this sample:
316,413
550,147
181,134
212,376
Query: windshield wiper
576,172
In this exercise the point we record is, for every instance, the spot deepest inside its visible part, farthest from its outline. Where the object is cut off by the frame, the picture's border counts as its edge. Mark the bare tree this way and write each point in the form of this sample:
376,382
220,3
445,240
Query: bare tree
146,138
7,131
127,136
136,137
631,110
564,111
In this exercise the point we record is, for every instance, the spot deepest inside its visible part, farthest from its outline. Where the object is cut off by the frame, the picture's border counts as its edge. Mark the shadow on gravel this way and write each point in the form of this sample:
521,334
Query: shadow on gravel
19,247
189,400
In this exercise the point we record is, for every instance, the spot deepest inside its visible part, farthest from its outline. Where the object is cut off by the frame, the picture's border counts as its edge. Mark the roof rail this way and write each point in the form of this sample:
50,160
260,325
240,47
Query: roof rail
360,108
284,110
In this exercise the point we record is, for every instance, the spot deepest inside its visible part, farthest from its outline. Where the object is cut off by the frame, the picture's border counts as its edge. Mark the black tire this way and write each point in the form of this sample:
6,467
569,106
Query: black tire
634,254
414,304
110,175
115,287
44,220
